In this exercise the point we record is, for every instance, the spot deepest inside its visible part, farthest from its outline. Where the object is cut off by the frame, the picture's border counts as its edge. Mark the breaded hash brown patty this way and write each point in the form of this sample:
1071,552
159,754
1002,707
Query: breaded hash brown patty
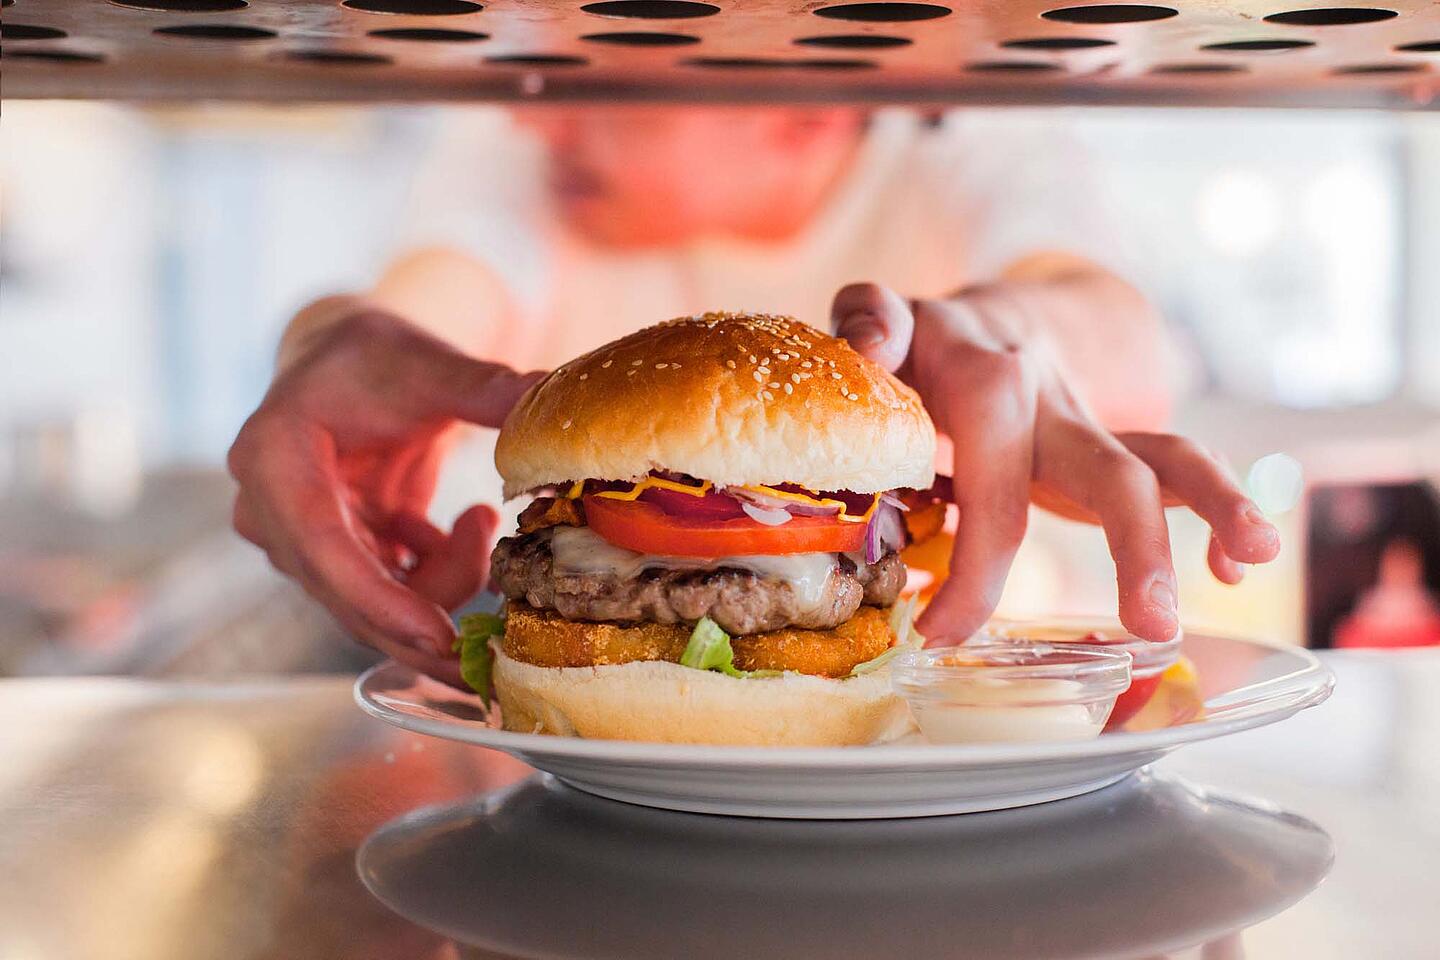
546,639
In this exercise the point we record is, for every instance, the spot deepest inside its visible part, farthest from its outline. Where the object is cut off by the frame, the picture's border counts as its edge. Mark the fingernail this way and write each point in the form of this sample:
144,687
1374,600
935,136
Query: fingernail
1254,515
1162,595
862,330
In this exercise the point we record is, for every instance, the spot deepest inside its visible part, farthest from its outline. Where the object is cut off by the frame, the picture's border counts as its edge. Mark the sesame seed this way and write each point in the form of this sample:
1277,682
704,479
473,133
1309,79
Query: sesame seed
752,358
789,389
584,376
630,372
636,363
769,395
774,385
835,375
853,396
607,363
806,364
730,364
794,378
565,425
674,366
804,376
758,378
661,366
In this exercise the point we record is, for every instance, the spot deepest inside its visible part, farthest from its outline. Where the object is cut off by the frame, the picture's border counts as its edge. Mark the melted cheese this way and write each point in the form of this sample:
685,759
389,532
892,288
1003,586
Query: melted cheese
579,550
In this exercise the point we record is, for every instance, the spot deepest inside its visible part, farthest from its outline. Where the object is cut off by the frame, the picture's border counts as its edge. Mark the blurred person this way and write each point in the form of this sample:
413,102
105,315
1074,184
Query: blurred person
1397,610
961,263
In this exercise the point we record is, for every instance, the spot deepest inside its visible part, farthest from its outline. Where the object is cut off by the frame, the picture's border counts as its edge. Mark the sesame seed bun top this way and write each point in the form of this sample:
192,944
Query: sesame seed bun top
726,397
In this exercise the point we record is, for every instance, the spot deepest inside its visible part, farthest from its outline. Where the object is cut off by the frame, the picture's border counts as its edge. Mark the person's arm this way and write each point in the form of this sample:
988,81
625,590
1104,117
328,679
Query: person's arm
444,292
993,367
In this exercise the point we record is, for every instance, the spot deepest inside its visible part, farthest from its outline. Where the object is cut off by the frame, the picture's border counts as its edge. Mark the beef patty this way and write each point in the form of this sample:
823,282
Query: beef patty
740,601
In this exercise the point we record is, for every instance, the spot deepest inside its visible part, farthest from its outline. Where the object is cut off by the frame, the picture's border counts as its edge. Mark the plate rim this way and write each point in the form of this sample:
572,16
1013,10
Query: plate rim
1307,686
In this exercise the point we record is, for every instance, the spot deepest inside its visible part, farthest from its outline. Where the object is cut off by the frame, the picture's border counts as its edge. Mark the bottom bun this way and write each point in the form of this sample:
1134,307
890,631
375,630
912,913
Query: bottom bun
666,703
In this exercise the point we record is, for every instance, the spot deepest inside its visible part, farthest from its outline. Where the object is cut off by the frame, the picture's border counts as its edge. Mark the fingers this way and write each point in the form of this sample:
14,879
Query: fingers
294,506
1225,569
1203,484
484,392
445,380
993,441
452,568
1106,479
875,320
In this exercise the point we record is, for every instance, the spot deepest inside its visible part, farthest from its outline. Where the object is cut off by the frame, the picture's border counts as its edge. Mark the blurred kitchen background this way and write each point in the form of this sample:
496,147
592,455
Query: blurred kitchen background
151,257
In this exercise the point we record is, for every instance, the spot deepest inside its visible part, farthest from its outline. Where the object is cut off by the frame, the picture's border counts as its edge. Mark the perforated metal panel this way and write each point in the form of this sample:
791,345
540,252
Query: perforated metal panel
1284,52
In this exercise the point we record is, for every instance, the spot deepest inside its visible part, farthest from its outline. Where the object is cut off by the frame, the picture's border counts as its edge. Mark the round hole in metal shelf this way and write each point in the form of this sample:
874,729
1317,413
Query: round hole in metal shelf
884,12
1012,66
430,35
21,31
833,63
1058,43
1331,16
415,8
1111,13
1258,46
1378,68
777,63
1424,46
216,31
184,6
53,56
652,9
339,58
1197,68
625,38
734,63
538,60
855,41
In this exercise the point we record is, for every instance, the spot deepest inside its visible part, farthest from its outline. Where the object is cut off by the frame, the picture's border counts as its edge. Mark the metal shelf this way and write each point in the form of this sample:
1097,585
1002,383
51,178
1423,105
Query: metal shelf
1182,52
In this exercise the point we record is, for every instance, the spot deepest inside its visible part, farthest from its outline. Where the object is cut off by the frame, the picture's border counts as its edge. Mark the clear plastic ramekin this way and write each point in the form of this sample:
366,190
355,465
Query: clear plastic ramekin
1001,692
1149,660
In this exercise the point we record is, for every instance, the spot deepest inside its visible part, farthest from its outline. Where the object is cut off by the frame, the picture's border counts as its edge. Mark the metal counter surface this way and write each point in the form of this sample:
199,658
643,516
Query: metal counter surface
254,819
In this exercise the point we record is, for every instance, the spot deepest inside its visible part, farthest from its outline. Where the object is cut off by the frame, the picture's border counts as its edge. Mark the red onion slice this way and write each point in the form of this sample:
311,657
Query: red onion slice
769,517
766,502
894,501
885,532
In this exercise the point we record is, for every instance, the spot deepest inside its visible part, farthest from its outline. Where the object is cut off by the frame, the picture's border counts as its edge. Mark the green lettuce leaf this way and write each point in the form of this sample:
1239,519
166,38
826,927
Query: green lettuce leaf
476,659
902,625
709,649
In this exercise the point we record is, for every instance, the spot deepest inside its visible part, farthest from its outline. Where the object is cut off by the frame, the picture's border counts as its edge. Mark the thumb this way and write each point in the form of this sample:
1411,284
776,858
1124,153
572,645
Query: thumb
876,321
476,391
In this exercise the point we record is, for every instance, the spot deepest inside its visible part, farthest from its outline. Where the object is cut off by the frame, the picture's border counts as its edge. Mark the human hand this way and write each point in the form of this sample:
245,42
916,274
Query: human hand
993,383
337,467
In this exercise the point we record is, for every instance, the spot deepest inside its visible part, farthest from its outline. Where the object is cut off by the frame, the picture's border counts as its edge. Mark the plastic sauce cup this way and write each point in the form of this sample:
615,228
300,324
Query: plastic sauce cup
1148,660
1011,692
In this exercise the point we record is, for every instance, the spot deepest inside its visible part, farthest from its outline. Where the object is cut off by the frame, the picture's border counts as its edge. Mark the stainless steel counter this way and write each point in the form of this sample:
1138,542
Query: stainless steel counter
271,819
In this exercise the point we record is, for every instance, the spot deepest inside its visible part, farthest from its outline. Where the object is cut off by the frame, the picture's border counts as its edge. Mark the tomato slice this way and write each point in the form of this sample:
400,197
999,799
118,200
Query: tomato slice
645,528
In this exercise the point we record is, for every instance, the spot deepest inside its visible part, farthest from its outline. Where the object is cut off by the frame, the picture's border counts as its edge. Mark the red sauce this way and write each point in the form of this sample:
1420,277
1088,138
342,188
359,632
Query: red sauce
1130,702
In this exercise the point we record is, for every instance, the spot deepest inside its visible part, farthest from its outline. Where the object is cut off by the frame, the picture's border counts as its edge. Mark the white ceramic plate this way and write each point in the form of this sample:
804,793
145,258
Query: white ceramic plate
1245,684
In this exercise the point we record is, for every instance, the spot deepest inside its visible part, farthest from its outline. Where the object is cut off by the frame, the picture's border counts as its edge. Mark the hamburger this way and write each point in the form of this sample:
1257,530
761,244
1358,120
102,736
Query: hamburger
711,554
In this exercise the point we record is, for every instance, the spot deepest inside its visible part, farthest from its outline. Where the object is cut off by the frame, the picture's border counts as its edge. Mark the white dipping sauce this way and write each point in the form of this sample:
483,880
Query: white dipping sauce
982,710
